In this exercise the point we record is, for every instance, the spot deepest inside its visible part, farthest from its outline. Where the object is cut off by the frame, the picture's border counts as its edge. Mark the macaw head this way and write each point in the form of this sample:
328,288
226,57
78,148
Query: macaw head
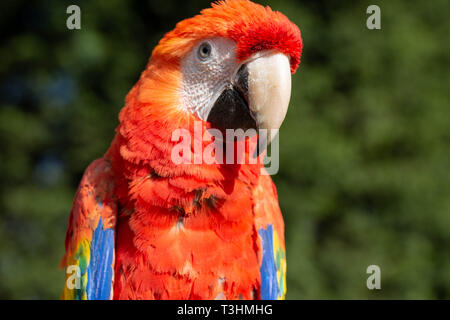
229,66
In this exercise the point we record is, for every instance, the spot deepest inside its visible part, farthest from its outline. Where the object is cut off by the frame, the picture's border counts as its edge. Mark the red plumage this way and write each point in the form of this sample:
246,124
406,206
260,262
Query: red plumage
189,231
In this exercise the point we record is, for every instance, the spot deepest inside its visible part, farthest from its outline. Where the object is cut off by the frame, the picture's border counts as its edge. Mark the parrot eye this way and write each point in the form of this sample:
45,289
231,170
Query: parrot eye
204,51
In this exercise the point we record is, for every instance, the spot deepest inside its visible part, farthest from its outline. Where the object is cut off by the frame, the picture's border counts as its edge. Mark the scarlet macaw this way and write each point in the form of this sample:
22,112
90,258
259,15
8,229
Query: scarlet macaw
143,227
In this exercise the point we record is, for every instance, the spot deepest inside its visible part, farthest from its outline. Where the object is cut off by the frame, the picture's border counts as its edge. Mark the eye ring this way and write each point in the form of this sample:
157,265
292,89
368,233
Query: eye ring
204,51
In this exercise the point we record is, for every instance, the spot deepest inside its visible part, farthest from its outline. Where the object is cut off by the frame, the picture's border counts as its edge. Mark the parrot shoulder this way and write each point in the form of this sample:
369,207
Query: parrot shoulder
89,244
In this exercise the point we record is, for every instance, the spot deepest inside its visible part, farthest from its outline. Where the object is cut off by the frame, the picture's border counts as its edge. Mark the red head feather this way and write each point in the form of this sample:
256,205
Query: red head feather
252,26
153,111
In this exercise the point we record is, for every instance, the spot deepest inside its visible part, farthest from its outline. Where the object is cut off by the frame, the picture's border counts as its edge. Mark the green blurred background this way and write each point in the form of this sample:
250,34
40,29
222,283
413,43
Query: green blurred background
365,149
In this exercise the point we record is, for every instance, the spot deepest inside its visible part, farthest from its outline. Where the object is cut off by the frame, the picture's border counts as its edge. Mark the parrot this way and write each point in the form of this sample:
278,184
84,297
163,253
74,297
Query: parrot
145,227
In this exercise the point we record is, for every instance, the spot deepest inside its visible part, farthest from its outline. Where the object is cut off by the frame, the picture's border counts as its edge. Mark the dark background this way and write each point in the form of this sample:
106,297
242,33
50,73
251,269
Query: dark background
364,175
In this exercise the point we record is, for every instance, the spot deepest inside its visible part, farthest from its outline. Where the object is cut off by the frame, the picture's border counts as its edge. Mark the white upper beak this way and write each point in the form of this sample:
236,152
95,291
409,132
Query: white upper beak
269,89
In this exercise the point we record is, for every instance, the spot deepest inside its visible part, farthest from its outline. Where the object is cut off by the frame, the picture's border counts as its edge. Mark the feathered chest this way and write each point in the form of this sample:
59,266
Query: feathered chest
187,239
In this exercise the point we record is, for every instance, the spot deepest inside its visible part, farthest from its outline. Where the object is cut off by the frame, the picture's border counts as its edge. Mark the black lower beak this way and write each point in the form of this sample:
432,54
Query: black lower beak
231,109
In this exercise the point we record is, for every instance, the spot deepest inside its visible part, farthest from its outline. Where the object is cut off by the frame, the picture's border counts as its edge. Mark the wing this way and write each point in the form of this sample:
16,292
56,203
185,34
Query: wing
89,257
270,226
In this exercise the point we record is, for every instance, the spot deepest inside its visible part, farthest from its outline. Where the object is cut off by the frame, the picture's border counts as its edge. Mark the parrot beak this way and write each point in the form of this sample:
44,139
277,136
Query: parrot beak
269,89
269,92
257,97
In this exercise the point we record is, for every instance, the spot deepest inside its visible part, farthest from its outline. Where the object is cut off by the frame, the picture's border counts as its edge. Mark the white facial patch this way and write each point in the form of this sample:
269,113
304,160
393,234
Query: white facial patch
206,75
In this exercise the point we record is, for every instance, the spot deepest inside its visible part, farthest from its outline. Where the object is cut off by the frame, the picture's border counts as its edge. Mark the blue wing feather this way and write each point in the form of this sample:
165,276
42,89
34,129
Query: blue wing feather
100,270
269,284
89,258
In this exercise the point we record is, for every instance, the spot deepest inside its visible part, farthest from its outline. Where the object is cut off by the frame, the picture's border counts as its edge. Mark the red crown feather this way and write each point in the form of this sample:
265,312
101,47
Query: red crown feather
252,26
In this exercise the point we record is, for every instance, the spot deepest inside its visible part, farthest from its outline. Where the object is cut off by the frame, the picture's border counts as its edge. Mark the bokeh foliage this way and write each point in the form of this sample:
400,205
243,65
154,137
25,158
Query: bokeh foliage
365,149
